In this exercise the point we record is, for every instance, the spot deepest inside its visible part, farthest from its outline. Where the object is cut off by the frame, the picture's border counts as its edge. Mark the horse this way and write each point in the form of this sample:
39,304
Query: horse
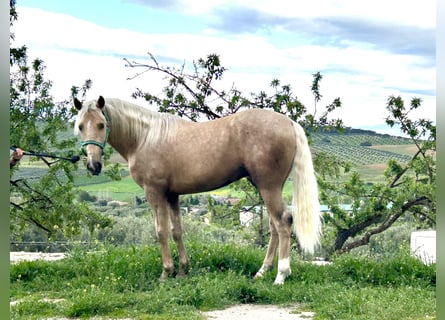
169,156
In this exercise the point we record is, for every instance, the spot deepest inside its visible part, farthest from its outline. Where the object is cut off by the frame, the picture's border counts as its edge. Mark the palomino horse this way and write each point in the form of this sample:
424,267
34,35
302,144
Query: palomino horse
168,156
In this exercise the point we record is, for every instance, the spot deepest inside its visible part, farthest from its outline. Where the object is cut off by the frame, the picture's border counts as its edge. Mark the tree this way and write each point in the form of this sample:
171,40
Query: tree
195,96
409,189
46,201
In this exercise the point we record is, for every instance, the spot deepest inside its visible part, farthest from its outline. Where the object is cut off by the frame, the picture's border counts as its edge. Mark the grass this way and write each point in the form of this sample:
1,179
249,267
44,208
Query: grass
114,189
122,282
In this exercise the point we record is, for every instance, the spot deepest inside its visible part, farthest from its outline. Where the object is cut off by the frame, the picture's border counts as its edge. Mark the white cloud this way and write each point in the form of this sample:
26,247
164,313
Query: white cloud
363,78
414,13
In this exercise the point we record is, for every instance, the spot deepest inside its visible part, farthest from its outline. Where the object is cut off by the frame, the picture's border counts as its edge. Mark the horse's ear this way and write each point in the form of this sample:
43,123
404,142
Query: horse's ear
77,104
100,102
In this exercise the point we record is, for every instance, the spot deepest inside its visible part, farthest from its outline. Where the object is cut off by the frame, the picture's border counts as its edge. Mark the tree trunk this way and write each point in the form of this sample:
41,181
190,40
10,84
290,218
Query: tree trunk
344,234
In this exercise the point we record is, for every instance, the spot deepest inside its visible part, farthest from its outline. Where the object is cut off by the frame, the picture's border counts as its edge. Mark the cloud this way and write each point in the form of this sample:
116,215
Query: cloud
338,31
165,4
396,27
363,76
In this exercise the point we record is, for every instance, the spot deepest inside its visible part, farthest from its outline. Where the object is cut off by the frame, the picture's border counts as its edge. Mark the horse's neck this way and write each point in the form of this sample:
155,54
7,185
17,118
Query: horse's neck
128,131
120,138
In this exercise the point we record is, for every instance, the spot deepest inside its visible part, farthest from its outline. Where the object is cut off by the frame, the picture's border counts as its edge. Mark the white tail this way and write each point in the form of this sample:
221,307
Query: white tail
305,205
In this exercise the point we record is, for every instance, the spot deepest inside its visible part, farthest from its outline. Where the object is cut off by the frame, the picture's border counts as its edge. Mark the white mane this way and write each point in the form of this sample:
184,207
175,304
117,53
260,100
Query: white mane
133,122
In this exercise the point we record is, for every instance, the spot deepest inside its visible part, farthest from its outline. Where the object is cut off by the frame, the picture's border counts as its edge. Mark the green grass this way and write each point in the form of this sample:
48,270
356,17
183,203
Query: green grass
122,282
121,190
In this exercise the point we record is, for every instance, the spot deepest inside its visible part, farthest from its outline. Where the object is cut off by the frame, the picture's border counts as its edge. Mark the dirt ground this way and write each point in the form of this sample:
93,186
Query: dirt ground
258,312
238,312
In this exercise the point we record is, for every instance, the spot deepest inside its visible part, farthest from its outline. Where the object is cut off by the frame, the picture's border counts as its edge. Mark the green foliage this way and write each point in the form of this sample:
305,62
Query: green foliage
193,95
408,189
48,201
375,207
85,196
122,283
398,270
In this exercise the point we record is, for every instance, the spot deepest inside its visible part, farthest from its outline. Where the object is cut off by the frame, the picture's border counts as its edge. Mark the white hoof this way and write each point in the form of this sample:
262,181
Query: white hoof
261,272
279,280
283,271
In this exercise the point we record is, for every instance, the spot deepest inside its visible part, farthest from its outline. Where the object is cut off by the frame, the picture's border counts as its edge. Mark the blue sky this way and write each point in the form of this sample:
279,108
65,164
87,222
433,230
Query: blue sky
365,50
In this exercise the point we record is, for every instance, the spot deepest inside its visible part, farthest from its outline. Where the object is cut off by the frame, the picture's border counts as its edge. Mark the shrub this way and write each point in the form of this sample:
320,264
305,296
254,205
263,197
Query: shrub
85,196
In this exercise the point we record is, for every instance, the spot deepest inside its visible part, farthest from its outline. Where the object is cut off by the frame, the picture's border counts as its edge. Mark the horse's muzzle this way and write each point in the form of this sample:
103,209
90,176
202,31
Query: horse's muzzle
95,167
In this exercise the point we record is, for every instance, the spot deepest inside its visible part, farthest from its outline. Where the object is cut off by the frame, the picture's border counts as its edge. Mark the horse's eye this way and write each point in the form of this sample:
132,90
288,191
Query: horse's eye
81,127
101,126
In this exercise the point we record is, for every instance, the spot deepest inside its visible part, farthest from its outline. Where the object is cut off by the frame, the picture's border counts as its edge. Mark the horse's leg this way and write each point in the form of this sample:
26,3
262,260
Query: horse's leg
175,217
271,250
159,206
282,220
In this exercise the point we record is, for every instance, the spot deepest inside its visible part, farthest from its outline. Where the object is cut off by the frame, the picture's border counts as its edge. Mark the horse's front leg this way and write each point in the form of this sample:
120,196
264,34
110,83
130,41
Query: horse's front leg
175,217
159,206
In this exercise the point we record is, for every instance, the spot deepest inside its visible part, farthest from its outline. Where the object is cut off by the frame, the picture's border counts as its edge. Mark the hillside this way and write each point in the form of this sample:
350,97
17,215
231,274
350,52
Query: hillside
362,147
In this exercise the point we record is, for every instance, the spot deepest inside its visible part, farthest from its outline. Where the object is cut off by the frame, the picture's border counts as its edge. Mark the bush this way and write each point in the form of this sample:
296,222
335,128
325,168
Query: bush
399,270
85,196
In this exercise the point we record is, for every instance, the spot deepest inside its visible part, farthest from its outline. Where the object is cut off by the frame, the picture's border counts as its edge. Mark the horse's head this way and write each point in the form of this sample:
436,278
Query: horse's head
93,128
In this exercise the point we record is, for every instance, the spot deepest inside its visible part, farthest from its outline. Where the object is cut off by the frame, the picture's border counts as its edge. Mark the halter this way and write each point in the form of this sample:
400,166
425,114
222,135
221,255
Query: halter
97,143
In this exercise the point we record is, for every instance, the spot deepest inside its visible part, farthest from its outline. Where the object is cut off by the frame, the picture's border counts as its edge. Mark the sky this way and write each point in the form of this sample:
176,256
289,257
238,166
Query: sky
365,50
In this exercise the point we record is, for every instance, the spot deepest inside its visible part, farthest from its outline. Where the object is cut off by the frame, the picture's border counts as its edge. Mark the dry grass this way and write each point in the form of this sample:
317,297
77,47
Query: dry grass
408,149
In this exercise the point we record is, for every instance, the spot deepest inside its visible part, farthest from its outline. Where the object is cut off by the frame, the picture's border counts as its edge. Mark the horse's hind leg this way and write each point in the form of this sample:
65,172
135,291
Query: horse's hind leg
175,217
282,221
271,250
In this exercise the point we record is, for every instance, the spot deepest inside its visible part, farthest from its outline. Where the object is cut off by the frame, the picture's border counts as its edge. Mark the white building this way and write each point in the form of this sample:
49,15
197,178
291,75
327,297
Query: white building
423,246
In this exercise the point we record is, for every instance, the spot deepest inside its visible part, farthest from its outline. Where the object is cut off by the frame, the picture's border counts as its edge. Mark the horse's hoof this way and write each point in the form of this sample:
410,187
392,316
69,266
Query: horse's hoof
278,282
164,276
261,272
281,276
258,276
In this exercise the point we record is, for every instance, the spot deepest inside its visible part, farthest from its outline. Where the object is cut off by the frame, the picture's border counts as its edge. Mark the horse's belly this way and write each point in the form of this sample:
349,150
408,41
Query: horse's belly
205,180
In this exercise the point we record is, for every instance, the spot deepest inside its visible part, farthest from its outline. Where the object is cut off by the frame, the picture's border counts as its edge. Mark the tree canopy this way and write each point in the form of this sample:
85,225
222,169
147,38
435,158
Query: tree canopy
46,201
409,188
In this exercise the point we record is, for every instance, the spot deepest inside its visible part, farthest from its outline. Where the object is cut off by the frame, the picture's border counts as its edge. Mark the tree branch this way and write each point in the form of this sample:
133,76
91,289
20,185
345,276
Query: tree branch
203,108
384,226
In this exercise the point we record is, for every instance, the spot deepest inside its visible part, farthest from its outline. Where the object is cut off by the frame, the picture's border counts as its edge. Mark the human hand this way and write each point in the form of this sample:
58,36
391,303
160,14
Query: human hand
17,154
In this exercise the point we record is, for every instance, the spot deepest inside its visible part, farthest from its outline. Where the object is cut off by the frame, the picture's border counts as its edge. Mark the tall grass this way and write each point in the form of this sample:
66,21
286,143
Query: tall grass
118,282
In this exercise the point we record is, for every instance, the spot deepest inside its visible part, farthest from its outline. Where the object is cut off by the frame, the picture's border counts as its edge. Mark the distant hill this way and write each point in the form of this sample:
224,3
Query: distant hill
360,147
